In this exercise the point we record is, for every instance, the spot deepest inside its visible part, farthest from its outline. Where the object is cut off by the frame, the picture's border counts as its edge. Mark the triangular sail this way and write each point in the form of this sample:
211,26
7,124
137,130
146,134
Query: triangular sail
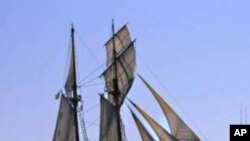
120,66
145,135
70,77
108,124
178,127
65,126
162,134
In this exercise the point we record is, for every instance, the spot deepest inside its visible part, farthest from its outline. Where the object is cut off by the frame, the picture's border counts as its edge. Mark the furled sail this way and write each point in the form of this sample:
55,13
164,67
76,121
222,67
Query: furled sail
162,134
120,66
108,124
178,127
145,135
65,126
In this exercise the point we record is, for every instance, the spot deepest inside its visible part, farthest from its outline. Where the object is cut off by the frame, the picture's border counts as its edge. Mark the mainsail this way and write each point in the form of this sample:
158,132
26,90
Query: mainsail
178,127
65,126
108,127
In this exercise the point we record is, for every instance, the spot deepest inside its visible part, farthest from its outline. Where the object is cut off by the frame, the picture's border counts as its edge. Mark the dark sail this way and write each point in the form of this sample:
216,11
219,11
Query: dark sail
65,126
70,77
108,126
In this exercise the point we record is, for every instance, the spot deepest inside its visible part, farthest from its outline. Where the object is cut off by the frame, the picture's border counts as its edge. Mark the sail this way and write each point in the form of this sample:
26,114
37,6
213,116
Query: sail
162,134
120,67
121,39
65,126
71,75
108,124
145,135
178,127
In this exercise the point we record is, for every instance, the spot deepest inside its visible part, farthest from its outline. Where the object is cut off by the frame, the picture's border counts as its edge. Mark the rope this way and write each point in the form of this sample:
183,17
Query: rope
90,74
93,122
91,85
90,80
89,50
174,99
91,108
82,123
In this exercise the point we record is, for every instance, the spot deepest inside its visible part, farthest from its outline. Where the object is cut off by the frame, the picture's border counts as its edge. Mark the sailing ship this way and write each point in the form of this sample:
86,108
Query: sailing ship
119,76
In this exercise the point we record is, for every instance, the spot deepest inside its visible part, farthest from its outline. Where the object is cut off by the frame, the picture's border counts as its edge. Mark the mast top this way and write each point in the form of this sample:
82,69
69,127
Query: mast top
72,28
113,27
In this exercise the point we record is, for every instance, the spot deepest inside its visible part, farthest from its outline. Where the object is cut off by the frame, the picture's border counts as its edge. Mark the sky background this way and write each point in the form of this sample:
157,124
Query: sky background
195,53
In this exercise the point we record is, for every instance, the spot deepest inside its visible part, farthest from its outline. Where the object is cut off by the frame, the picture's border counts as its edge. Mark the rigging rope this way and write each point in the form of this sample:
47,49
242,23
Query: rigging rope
82,123
91,85
93,56
90,74
172,96
93,122
89,50
91,108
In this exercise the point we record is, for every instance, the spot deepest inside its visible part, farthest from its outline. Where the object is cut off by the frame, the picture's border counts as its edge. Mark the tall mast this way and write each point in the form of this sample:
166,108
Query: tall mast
114,54
116,89
75,98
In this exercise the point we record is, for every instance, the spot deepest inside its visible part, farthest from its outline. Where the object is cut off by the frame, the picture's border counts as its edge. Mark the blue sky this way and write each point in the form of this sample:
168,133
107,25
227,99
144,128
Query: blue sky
195,53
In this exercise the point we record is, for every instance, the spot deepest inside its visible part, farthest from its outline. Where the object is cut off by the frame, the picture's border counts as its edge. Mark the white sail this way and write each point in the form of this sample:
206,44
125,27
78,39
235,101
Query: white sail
145,135
108,124
162,134
121,66
178,127
65,126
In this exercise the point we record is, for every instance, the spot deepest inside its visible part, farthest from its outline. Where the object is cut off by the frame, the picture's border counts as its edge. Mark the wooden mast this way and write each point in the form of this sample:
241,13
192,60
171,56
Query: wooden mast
75,98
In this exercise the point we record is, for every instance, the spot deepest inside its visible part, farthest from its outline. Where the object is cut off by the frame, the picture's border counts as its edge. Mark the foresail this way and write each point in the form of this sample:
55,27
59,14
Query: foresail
108,124
121,66
65,126
178,127
162,134
145,135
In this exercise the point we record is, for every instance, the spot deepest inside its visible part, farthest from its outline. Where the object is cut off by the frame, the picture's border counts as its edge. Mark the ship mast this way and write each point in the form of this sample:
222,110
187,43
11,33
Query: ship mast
75,98
119,77
116,92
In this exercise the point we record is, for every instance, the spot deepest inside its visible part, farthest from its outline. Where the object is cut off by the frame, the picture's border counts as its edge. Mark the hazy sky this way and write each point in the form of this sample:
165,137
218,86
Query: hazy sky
195,53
